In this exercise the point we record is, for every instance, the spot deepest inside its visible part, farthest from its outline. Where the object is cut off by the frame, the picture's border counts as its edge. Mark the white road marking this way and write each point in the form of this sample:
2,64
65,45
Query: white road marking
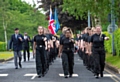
33,75
108,75
74,75
3,75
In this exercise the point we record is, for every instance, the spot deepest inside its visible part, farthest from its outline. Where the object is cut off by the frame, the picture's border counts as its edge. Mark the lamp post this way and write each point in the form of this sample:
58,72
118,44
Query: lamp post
113,26
88,18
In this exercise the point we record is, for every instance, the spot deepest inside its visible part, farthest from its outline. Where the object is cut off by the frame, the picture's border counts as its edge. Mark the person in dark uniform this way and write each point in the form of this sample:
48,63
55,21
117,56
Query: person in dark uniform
54,49
98,51
17,40
26,47
91,57
49,47
77,43
67,50
56,45
39,48
84,46
80,51
32,42
63,33
49,51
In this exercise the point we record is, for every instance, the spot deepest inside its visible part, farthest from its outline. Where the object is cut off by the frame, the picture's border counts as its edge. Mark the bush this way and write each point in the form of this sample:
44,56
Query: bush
108,44
2,46
117,41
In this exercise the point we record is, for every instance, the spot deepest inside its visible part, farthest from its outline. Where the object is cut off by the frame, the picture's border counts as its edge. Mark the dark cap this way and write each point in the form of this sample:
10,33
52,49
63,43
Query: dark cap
16,29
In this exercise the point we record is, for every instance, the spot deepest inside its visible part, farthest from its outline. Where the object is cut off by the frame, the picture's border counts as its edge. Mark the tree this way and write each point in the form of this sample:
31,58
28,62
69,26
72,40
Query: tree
98,8
19,14
65,18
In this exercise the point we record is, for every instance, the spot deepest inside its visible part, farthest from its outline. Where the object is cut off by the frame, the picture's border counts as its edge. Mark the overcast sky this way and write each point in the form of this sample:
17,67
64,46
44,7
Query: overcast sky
31,2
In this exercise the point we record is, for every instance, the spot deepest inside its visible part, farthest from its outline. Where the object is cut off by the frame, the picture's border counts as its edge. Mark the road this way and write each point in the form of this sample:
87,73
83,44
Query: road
55,73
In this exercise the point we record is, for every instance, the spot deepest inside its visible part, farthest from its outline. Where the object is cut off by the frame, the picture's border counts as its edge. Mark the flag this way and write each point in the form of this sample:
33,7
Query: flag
57,25
51,26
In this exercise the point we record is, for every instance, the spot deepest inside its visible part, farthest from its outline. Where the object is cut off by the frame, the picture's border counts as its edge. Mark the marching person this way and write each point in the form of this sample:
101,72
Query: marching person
39,49
77,43
67,50
32,43
98,51
26,47
17,40
84,46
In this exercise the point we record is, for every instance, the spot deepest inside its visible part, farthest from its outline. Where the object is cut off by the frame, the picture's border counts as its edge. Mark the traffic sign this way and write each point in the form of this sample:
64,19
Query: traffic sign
110,28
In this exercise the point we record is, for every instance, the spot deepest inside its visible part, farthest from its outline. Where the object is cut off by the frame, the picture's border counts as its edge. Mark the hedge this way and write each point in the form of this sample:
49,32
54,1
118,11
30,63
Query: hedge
2,46
108,44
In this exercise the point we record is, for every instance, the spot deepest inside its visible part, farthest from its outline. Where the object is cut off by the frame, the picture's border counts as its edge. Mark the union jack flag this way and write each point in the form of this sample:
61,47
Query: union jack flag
51,26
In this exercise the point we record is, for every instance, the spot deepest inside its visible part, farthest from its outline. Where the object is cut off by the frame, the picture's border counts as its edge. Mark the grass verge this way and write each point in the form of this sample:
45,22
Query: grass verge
113,60
6,55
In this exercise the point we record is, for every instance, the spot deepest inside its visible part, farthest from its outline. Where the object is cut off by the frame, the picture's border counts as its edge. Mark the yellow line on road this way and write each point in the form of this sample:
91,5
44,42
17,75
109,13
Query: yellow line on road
115,77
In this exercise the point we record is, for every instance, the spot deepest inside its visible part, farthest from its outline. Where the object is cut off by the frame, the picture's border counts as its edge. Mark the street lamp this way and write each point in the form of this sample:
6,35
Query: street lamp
113,26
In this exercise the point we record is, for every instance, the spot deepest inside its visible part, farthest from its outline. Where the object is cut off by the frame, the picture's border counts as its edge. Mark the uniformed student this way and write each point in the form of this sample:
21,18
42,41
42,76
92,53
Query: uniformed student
39,49
50,46
84,46
91,57
47,34
67,50
32,43
80,51
98,51
54,49
77,43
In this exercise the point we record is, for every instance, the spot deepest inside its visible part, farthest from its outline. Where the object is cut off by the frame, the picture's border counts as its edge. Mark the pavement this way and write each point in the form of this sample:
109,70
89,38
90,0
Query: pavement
55,73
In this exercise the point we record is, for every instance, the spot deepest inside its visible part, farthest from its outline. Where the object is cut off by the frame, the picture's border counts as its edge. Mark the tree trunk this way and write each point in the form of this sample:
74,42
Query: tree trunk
5,32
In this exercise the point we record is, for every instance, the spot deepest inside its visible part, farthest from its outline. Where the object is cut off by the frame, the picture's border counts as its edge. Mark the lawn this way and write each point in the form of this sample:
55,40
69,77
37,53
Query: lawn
6,55
113,60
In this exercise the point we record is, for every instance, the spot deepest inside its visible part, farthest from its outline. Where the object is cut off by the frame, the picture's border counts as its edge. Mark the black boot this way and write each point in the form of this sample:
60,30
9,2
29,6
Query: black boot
97,76
101,74
66,76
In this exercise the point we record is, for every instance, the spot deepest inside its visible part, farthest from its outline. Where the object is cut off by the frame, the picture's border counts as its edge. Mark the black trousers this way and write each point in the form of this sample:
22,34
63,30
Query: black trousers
26,49
85,58
68,62
91,62
40,60
99,60
47,58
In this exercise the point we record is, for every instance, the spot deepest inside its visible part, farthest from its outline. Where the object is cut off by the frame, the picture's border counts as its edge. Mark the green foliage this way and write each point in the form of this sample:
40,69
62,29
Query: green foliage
2,46
105,26
108,43
99,8
59,32
16,13
117,41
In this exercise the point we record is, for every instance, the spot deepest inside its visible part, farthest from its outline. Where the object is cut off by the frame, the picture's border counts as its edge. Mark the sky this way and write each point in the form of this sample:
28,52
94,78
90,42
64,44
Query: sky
31,2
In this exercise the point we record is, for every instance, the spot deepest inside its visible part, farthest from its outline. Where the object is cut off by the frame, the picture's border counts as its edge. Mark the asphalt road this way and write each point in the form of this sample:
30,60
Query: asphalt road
55,73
